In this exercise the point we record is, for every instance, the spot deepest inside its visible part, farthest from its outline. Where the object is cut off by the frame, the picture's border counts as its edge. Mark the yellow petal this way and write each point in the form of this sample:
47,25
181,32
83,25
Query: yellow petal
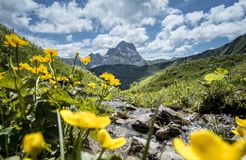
107,142
237,150
117,143
103,138
184,150
240,122
240,131
208,146
69,117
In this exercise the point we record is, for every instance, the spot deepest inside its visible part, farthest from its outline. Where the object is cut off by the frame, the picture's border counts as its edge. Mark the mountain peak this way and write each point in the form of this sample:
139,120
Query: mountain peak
126,46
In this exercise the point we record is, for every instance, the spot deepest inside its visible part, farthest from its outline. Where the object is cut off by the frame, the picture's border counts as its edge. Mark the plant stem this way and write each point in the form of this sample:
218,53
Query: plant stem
151,130
84,138
17,56
60,135
99,157
74,62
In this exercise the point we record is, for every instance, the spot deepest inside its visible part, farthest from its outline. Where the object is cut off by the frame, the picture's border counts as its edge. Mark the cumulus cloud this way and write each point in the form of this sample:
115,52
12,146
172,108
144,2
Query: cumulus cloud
69,37
109,22
111,12
181,32
16,13
136,35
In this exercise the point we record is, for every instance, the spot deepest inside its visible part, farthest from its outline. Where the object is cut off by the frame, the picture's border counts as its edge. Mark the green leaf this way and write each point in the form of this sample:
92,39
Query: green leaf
59,95
213,77
221,71
9,82
4,131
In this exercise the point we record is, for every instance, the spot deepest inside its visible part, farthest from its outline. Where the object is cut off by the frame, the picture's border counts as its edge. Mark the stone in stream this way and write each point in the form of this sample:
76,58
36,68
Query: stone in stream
142,123
167,115
122,115
170,154
137,148
170,131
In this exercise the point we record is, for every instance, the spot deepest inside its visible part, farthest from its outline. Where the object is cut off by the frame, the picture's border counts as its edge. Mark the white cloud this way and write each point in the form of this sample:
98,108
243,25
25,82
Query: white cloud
69,37
136,35
15,13
195,17
111,12
172,21
61,18
181,32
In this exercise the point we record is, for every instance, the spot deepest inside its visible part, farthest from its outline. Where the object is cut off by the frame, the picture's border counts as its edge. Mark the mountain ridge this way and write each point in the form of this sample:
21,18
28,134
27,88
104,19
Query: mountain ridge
237,46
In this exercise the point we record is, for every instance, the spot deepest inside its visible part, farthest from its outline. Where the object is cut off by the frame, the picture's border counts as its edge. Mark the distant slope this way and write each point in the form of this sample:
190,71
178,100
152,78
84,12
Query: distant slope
129,74
187,71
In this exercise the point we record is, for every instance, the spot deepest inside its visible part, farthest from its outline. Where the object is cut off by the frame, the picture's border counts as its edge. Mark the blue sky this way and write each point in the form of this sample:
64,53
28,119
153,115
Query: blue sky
158,28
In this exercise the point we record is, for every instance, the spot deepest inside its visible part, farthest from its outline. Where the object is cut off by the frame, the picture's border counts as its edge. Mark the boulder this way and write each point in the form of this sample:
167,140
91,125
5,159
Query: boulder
142,123
167,115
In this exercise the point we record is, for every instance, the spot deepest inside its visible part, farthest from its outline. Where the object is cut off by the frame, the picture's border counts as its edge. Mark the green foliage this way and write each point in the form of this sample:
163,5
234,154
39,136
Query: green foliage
28,102
223,93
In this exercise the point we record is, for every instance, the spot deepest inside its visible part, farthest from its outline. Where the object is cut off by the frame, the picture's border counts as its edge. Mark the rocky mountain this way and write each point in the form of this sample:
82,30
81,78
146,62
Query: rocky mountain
123,53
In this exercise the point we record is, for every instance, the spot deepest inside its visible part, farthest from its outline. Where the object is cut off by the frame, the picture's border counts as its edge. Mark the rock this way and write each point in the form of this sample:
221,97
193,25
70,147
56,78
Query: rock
132,158
121,121
170,131
120,131
142,123
122,115
137,148
167,115
129,107
170,154
163,133
175,130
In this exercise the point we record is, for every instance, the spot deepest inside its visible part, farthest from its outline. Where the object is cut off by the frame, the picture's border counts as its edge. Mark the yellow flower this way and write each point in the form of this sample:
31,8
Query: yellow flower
206,145
25,66
2,75
52,81
50,52
240,122
40,58
92,85
63,78
84,119
14,41
77,83
115,82
240,131
107,76
33,143
104,85
47,76
42,69
107,142
110,78
85,60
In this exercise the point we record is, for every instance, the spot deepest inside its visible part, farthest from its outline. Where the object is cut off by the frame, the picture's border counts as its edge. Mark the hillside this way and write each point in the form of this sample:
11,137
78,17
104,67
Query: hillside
28,51
188,71
237,46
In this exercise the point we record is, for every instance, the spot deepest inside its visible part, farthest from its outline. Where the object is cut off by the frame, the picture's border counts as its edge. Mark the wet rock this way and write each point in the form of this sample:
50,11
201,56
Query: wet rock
170,154
137,148
121,131
120,121
167,115
170,131
129,107
132,158
142,123
122,115
163,133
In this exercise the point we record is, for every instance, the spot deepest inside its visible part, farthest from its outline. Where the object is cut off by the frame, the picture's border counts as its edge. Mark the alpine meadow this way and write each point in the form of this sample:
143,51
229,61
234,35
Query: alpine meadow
123,80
